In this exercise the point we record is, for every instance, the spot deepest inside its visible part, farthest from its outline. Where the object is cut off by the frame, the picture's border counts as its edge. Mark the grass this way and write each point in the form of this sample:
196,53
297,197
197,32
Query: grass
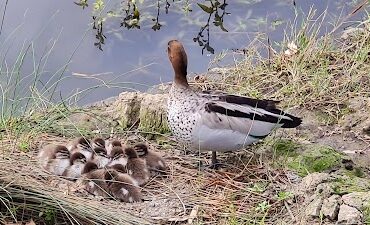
323,75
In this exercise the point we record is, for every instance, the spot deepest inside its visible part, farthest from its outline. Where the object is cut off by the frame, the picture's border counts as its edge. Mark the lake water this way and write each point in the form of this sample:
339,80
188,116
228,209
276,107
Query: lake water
132,59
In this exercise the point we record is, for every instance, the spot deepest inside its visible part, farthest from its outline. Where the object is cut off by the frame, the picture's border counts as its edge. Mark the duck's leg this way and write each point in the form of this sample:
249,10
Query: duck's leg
214,163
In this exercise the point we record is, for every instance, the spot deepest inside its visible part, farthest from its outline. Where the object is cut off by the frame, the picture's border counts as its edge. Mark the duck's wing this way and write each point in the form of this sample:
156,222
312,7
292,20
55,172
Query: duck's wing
248,116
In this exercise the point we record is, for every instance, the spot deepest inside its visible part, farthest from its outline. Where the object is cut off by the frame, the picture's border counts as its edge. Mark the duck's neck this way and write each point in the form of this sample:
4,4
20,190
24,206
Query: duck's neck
180,80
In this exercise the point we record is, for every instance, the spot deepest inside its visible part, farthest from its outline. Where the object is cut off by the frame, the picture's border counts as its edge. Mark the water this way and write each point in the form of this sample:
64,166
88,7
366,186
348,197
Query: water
134,59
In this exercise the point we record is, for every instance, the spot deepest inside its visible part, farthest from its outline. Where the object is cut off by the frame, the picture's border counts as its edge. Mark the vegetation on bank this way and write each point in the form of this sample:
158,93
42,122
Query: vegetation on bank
322,73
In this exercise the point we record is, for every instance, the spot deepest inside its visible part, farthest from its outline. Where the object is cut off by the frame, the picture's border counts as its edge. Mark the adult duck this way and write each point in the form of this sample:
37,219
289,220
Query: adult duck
217,122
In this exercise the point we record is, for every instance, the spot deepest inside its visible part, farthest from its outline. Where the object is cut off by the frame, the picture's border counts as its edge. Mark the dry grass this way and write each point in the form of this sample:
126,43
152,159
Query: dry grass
245,193
323,74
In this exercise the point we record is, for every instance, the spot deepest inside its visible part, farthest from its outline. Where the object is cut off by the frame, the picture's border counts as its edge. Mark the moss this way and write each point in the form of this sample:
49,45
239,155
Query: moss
152,122
347,183
284,147
315,158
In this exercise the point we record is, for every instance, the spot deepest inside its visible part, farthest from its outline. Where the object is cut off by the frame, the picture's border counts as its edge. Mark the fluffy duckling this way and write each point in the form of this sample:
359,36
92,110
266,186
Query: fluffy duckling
94,180
112,144
98,142
100,157
123,187
78,162
117,156
136,167
54,158
82,145
153,160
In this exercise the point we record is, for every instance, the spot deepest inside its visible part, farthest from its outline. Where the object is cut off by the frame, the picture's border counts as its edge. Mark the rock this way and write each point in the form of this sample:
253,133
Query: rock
356,199
153,114
125,110
330,207
313,209
349,215
312,180
324,190
352,32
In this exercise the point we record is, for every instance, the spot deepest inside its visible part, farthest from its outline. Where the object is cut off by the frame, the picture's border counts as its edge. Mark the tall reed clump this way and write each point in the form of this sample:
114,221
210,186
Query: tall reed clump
314,70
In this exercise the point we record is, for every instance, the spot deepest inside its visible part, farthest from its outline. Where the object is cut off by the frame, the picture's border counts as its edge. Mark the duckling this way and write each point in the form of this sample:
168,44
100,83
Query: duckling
98,142
123,187
112,144
136,167
78,162
94,180
100,157
153,160
82,145
117,156
54,158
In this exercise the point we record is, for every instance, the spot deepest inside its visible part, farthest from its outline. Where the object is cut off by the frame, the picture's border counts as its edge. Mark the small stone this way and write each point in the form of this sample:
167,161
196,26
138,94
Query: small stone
313,209
349,215
330,207
324,190
312,180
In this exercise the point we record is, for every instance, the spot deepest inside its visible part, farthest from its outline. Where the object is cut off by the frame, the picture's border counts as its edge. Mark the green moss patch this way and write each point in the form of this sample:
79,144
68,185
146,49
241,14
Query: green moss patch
315,158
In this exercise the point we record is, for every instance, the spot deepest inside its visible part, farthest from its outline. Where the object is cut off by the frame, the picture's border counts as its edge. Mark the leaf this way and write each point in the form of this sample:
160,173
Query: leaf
210,49
223,28
205,8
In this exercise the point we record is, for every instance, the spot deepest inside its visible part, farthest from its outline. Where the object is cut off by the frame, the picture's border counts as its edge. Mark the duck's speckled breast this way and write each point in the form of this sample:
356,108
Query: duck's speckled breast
183,104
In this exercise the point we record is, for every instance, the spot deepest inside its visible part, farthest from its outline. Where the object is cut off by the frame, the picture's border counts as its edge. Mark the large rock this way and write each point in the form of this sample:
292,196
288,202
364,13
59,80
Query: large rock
311,181
153,113
147,111
349,215
357,199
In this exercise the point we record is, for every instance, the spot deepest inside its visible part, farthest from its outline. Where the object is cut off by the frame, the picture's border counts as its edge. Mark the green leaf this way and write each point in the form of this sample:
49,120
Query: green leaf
206,8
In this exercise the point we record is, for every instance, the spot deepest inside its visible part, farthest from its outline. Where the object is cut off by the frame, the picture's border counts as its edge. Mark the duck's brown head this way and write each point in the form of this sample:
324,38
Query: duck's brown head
77,157
117,152
179,61
131,153
99,142
61,152
89,166
83,143
100,151
116,143
141,149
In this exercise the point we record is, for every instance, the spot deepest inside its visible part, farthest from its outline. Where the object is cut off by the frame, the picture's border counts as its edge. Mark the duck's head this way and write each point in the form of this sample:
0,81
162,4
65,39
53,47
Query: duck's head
61,152
131,153
179,61
116,153
116,143
83,143
141,149
100,151
99,142
77,157
89,166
